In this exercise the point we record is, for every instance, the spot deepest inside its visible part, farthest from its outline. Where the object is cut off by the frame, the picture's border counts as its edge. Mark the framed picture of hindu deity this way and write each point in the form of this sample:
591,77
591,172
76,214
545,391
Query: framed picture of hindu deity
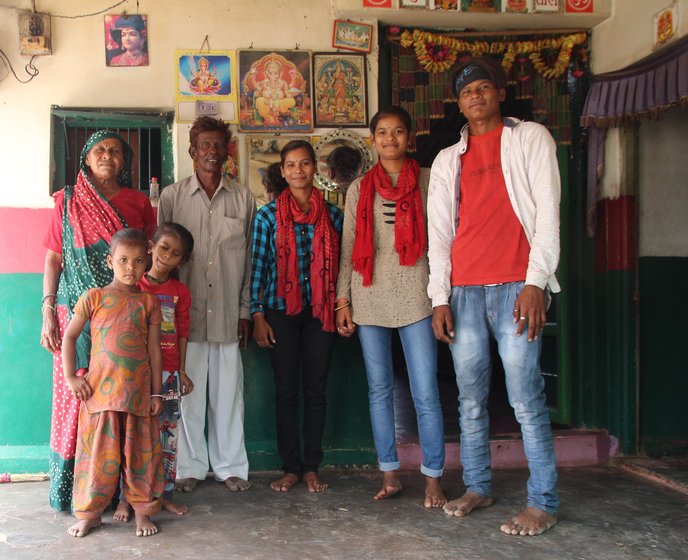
208,76
340,90
275,91
262,151
126,40
352,36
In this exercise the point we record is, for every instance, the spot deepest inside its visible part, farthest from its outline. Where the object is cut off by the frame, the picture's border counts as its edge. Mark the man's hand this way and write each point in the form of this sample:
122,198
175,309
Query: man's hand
530,308
244,332
443,323
262,331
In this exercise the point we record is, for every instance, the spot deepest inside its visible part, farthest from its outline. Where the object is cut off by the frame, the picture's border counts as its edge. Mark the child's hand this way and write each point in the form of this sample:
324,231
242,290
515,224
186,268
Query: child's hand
80,387
156,406
185,383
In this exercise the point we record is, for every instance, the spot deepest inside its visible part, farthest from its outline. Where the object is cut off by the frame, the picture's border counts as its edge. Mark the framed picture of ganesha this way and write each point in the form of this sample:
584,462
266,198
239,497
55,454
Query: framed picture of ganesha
275,91
340,90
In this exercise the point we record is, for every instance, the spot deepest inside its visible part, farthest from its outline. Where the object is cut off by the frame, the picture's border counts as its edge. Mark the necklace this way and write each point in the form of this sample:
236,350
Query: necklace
154,279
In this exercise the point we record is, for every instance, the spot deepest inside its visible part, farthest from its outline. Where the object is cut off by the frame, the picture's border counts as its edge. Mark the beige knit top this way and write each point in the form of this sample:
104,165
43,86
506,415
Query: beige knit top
398,295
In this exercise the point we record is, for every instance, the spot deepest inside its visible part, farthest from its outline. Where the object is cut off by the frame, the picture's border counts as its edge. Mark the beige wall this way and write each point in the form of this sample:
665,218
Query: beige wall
628,36
76,75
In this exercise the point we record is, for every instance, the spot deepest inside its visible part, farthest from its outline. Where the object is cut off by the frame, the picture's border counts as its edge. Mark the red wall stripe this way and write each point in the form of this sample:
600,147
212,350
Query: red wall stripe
616,238
21,239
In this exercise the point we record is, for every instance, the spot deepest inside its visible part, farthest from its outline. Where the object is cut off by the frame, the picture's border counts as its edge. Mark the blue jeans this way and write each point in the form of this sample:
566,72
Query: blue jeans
481,312
420,351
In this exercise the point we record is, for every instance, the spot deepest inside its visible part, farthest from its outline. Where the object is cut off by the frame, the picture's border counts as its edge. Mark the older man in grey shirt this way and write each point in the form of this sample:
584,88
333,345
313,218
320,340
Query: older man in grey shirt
219,213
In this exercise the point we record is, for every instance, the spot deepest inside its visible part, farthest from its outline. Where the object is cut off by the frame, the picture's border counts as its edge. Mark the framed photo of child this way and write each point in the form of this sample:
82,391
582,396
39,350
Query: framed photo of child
340,93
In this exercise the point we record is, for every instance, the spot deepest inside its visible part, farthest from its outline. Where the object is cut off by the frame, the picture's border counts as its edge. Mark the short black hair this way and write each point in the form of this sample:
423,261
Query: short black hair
129,236
391,110
208,124
345,163
493,68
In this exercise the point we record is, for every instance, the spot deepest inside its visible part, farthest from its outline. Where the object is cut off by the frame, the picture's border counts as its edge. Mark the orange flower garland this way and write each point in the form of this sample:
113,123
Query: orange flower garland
438,53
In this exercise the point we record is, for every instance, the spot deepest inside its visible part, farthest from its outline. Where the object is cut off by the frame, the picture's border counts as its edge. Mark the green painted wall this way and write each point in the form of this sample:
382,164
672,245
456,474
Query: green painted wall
663,366
26,371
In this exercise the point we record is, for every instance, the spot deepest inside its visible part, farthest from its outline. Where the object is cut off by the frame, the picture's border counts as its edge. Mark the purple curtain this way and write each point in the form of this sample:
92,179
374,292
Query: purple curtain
647,88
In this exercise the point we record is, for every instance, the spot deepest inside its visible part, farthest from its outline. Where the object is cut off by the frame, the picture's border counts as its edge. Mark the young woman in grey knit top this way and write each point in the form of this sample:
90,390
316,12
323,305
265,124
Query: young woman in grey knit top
382,286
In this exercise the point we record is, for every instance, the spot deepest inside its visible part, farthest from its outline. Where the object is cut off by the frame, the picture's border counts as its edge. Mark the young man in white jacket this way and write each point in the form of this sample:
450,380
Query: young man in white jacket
493,233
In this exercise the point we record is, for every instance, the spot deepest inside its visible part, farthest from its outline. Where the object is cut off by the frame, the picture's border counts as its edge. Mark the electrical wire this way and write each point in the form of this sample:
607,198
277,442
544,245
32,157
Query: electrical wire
29,68
93,13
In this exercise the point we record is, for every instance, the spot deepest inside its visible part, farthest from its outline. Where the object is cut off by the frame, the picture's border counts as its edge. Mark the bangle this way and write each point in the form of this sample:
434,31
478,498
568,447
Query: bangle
347,304
46,296
160,396
48,306
181,371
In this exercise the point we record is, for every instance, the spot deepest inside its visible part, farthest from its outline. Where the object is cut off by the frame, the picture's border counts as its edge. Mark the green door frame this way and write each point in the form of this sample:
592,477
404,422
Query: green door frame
63,118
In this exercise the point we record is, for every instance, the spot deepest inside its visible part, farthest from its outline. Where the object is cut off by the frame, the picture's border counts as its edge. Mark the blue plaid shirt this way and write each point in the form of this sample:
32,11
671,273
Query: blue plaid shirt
264,257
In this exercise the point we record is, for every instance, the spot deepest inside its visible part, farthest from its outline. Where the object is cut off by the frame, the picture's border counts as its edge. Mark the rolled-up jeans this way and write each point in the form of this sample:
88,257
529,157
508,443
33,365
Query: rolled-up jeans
420,351
481,312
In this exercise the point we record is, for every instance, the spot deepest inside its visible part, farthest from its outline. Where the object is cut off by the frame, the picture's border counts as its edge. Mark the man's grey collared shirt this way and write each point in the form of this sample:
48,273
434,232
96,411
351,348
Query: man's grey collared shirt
218,272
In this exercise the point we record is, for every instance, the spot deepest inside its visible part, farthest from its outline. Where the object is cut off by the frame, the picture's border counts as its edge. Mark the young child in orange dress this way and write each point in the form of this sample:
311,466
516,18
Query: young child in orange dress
170,247
121,395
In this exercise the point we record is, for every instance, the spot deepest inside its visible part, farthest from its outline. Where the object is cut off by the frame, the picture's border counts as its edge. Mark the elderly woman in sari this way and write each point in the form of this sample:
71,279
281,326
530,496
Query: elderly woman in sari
85,217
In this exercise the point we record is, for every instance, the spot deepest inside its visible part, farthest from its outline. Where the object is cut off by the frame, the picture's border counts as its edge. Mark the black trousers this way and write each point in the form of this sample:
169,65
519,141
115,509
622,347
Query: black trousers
300,360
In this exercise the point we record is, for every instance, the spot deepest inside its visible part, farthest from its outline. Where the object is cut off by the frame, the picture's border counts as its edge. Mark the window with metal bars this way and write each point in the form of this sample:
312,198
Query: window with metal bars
149,133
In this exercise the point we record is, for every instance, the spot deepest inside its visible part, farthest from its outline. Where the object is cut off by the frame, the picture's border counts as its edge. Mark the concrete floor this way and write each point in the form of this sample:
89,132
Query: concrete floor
606,514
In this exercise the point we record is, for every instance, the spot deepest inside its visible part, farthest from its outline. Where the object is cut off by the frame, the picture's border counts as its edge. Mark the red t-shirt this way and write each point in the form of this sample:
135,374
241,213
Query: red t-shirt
175,304
133,206
490,246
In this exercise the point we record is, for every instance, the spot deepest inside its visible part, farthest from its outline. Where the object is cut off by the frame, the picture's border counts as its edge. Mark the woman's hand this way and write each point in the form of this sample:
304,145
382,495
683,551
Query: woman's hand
50,331
344,321
262,331
80,387
185,384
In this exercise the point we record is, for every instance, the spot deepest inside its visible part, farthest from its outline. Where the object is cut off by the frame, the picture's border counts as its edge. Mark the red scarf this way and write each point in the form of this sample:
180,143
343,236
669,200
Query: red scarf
410,239
324,257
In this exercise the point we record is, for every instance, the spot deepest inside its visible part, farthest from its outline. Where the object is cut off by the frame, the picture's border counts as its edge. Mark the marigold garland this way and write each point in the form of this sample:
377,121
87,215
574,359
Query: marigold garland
438,53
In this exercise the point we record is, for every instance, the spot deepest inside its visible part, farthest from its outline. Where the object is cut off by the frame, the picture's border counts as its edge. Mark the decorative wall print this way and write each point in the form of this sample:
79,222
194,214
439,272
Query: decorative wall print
448,5
340,90
413,3
664,25
547,6
230,168
579,6
377,3
126,40
206,75
352,36
275,91
481,5
517,6
262,151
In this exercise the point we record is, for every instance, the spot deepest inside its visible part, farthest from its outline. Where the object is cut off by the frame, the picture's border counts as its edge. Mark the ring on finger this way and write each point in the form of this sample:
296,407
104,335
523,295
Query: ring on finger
521,318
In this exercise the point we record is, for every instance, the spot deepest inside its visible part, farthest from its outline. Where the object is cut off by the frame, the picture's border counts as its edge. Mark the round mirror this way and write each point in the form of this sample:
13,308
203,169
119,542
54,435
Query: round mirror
342,157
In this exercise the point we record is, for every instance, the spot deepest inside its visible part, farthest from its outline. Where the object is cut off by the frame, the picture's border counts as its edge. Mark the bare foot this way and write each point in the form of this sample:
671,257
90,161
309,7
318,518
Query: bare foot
466,504
144,526
177,509
314,482
185,484
434,495
285,483
530,522
236,484
82,527
122,513
390,485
